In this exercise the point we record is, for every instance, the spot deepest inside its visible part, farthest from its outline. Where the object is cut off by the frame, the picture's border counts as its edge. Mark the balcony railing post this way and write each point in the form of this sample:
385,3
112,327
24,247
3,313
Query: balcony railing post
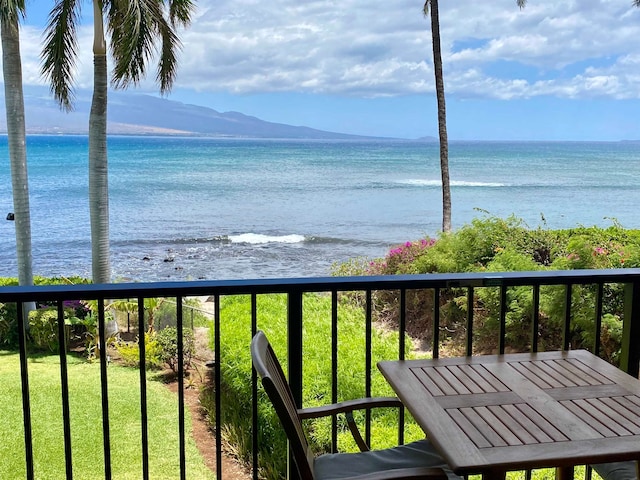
23,321
294,357
630,351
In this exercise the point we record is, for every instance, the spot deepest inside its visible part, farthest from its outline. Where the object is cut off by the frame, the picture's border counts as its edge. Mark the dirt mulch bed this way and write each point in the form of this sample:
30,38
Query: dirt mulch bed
204,437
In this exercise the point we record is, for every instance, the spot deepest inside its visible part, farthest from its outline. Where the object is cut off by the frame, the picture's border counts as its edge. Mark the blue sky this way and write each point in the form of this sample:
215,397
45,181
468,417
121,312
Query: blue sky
557,70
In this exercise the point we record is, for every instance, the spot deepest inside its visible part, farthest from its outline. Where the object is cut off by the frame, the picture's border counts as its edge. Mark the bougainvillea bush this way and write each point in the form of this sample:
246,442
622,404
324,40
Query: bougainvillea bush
491,244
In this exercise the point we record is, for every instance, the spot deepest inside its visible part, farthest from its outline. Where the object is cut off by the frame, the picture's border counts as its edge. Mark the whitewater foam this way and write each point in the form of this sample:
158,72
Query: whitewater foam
257,238
454,183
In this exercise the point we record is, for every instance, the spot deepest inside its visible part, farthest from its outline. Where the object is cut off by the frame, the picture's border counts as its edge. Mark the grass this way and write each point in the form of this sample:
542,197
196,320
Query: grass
86,423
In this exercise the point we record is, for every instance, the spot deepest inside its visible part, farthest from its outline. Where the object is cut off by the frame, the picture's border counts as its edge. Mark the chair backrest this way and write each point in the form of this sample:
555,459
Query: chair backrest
277,388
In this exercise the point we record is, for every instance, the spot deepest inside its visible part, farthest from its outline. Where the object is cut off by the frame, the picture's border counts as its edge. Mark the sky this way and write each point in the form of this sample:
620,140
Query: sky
556,70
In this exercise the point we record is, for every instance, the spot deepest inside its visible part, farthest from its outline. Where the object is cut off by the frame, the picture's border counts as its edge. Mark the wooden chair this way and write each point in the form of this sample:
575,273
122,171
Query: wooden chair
414,460
617,470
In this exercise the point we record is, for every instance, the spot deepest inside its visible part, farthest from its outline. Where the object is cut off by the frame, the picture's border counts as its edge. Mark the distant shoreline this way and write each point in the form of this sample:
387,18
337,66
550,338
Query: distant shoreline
425,140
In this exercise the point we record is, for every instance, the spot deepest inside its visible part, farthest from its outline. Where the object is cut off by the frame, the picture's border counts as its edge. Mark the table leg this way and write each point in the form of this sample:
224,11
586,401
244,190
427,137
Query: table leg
564,473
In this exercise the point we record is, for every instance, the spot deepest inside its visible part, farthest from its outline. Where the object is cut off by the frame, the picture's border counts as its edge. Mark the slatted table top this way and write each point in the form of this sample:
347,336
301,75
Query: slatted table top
497,413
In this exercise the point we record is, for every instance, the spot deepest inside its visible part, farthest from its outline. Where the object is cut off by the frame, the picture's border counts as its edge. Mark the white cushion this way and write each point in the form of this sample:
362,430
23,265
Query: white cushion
345,465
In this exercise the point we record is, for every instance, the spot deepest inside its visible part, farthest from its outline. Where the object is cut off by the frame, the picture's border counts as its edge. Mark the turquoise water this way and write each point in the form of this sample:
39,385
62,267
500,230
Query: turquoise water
191,208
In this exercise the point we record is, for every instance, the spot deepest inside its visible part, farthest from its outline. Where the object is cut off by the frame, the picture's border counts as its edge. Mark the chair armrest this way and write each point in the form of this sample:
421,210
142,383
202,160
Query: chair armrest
416,473
348,406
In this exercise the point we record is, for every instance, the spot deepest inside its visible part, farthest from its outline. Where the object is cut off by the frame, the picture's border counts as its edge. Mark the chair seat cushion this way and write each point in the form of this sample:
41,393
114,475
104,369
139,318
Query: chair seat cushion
616,470
345,465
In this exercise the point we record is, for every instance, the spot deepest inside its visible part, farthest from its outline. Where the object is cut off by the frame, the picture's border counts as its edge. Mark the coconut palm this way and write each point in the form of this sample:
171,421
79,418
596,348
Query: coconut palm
137,30
10,13
522,3
431,8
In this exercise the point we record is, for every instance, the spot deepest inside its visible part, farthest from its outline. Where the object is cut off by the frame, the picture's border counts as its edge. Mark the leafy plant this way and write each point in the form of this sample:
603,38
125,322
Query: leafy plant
43,327
497,245
8,325
167,340
130,352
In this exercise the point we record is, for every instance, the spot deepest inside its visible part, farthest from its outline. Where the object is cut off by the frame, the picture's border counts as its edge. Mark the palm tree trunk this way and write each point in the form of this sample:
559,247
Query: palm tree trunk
442,118
14,106
98,165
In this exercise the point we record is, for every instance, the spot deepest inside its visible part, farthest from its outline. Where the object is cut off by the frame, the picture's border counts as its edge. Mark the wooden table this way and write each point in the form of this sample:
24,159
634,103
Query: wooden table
496,413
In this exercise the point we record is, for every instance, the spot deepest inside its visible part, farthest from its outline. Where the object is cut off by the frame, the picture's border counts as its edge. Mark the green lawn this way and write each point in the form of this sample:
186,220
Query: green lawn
86,423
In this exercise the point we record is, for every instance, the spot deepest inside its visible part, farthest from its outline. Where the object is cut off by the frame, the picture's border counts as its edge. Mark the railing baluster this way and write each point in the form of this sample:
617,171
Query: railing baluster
368,363
254,393
106,443
64,387
401,331
144,421
470,302
402,327
334,368
294,316
503,319
218,383
566,331
26,402
294,333
598,319
535,319
181,423
436,323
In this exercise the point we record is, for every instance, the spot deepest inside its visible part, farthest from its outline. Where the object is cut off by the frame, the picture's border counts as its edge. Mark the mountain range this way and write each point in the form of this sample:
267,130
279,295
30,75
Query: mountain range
138,114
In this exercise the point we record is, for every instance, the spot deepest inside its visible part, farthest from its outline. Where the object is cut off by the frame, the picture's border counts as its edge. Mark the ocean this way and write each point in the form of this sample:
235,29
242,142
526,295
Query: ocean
184,208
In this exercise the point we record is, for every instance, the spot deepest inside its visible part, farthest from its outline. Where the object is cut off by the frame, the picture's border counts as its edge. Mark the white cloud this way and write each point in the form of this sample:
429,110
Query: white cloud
566,48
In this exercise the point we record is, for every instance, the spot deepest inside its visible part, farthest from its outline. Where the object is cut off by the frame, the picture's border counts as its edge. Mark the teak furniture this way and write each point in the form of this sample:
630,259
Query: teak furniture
414,461
496,413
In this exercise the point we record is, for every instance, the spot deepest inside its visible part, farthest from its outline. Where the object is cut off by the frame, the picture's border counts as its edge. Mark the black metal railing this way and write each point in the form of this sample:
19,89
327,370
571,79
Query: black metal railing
295,289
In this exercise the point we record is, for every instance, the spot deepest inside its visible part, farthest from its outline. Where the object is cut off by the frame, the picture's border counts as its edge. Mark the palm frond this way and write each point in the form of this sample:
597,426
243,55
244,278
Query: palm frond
180,12
60,50
168,63
132,40
521,3
636,3
425,8
141,28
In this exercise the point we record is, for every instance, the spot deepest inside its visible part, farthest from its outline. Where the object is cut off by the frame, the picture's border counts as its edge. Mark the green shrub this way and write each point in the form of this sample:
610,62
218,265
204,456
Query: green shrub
496,245
167,339
235,367
130,352
43,327
9,317
161,348
8,326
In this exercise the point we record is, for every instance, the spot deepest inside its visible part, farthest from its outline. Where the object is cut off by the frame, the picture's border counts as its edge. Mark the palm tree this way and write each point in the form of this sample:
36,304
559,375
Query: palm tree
10,13
522,3
137,30
442,113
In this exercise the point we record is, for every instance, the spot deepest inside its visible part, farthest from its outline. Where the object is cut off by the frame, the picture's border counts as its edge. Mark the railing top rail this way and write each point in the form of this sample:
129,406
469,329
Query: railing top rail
316,284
